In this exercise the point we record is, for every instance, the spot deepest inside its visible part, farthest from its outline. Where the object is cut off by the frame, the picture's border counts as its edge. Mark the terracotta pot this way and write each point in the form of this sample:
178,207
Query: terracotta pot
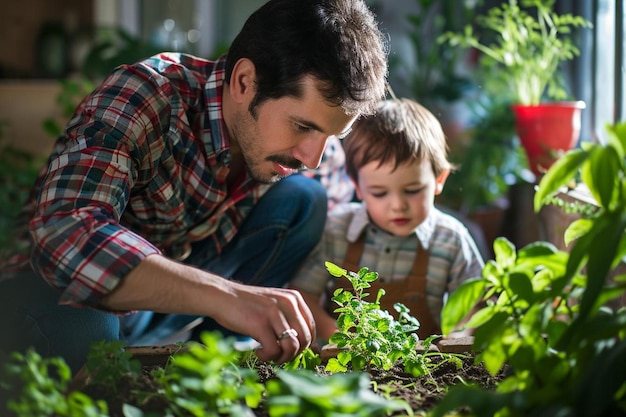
547,130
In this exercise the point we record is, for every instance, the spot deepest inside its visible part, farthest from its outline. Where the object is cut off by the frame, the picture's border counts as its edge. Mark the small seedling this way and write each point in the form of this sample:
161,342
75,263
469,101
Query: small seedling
307,359
372,337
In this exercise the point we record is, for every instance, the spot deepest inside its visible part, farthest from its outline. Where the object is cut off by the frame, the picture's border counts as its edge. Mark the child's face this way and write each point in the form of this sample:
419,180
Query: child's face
399,201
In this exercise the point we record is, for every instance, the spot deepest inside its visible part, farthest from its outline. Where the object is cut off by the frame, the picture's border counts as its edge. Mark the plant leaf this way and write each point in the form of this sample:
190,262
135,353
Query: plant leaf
576,229
611,229
600,173
559,174
504,251
461,302
335,270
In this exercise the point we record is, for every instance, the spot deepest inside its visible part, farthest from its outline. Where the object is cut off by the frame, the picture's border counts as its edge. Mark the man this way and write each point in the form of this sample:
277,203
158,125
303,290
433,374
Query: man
171,191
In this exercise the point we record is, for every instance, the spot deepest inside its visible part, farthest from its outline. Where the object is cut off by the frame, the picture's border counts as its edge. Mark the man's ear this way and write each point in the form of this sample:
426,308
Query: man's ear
242,87
441,181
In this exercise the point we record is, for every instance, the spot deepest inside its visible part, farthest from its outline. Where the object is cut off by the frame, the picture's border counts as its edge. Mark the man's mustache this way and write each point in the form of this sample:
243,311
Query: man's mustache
287,162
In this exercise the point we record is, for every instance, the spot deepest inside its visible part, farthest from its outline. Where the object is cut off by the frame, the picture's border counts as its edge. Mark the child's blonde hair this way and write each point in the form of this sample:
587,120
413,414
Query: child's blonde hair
400,131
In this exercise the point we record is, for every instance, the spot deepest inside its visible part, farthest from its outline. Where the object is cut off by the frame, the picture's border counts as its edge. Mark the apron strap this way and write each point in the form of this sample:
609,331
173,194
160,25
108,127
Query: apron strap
353,254
410,292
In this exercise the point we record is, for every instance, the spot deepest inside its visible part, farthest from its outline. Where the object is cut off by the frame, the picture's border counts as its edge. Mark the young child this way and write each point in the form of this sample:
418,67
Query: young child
397,160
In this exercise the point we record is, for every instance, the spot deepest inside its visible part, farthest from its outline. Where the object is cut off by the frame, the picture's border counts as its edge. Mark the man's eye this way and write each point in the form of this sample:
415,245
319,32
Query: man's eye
302,128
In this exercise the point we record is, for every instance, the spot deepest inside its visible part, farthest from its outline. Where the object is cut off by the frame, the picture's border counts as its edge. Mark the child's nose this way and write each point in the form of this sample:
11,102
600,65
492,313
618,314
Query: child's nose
399,202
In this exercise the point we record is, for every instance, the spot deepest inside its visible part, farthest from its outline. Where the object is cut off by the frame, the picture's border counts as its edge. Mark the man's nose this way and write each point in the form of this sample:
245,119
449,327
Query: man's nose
310,151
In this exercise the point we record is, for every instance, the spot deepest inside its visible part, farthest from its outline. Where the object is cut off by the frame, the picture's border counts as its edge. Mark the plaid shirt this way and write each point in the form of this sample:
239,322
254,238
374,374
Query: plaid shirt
140,169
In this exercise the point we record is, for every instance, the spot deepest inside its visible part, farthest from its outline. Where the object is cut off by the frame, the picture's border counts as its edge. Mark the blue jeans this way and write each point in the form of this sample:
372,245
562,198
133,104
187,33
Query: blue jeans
273,241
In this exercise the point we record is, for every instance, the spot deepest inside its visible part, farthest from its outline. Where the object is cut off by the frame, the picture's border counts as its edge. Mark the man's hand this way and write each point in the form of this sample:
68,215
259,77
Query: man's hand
267,315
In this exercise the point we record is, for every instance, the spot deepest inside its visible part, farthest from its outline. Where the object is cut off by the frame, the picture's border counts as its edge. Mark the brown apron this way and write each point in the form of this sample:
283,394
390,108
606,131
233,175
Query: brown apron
411,291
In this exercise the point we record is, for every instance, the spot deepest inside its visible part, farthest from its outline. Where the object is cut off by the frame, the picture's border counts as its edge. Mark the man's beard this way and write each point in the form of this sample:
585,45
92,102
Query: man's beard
245,133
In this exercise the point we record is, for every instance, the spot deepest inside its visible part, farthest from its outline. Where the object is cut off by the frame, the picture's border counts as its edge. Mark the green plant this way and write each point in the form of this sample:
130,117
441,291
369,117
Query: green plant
206,380
437,74
108,362
201,379
18,171
307,359
44,384
545,311
490,163
372,337
528,47
303,393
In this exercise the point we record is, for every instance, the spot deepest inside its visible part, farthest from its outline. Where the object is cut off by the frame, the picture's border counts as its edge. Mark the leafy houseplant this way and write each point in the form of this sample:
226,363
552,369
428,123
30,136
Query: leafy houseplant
430,72
436,75
18,172
489,163
545,311
528,48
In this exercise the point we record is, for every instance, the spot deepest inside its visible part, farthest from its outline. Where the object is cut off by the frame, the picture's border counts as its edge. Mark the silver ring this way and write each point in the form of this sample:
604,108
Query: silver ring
287,333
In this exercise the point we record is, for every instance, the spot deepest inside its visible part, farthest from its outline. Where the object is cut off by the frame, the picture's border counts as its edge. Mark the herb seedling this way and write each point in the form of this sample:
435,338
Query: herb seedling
307,359
371,337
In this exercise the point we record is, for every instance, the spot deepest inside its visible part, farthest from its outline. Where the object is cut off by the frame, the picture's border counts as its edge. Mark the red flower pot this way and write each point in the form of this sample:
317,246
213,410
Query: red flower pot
547,130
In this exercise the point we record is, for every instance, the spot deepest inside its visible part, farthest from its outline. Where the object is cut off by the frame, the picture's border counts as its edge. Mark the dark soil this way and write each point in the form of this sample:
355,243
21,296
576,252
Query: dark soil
420,393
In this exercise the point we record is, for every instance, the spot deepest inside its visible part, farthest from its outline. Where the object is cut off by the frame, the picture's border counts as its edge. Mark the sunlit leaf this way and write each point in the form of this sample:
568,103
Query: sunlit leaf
461,302
335,270
600,174
559,174
504,252
576,229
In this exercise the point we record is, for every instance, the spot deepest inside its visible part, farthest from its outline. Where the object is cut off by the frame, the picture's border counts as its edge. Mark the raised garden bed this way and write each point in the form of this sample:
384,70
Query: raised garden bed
419,393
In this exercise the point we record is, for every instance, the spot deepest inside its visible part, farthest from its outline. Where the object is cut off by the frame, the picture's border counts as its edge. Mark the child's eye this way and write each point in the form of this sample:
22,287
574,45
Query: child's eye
417,191
379,195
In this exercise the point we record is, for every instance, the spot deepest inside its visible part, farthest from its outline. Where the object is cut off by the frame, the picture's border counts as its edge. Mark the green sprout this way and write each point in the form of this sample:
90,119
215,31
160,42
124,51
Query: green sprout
371,337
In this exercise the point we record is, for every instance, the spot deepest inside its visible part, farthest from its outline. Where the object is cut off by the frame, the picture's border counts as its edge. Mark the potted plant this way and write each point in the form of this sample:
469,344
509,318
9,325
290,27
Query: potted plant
547,312
437,75
529,46
430,72
489,164
484,170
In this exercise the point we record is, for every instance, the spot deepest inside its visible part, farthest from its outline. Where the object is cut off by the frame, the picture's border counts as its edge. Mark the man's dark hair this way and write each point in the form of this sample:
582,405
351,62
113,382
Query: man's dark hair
336,41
